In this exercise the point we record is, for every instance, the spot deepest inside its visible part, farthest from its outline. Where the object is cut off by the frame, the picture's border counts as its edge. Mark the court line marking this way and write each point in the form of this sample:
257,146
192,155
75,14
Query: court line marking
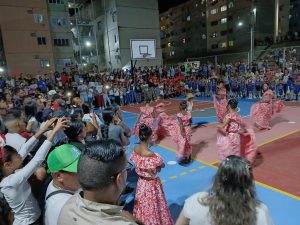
257,182
278,138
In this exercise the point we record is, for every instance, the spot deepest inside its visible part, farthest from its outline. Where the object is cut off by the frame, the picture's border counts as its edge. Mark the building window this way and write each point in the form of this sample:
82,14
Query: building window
203,13
63,62
44,63
113,18
38,18
230,43
188,18
203,36
41,40
230,5
224,44
223,8
223,20
116,38
214,46
213,11
214,23
58,21
61,42
56,1
223,32
214,34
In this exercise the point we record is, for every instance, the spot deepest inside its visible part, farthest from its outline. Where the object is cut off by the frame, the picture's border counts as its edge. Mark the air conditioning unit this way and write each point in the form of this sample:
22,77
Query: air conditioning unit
30,11
36,56
33,34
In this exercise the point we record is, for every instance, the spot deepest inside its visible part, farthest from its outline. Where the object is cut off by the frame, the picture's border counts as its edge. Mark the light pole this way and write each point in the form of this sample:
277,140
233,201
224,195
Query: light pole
252,24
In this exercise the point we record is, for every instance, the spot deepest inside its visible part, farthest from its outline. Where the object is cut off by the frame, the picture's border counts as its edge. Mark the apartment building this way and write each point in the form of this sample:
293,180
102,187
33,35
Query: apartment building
26,37
109,27
35,36
221,26
294,18
61,35
183,30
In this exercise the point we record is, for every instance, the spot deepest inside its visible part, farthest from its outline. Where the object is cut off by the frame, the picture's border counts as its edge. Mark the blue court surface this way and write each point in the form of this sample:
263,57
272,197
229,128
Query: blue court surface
180,182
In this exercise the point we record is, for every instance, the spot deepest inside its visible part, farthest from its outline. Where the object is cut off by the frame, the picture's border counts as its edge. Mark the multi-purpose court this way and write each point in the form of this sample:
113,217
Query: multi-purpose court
276,171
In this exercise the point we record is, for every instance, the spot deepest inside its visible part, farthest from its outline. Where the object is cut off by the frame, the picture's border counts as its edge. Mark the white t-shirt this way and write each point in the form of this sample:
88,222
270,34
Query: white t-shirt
54,204
36,125
17,190
89,118
15,140
199,214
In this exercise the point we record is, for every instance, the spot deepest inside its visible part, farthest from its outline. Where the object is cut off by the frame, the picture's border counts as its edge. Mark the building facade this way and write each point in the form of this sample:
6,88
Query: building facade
221,26
61,36
26,37
110,25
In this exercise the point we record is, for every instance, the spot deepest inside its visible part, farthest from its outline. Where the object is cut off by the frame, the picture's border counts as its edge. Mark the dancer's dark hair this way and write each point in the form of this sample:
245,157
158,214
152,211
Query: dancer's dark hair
183,105
233,103
145,132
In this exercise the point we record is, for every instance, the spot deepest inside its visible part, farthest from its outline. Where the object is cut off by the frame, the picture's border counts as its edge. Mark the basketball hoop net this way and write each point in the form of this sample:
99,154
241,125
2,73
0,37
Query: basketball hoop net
146,56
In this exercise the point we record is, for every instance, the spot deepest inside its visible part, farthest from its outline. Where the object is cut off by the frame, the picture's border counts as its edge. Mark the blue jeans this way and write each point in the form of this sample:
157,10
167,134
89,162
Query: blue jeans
133,96
84,97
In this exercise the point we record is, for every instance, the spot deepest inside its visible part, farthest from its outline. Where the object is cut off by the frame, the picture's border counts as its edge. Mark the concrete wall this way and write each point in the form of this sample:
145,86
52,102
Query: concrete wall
60,32
137,19
20,32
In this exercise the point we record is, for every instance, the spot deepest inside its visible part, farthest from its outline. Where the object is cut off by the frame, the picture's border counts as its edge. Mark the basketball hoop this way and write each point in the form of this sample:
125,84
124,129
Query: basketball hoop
146,56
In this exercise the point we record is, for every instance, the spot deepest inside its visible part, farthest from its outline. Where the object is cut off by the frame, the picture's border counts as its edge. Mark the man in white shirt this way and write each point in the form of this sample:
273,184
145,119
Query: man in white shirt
15,126
62,163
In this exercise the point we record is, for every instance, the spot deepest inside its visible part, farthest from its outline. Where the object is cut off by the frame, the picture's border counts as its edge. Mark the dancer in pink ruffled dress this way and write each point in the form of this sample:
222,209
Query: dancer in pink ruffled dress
228,138
150,205
221,105
165,124
183,136
146,117
261,112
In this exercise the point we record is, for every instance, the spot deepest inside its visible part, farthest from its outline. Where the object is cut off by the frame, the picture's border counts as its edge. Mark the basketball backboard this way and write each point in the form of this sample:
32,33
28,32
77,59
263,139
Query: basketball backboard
143,49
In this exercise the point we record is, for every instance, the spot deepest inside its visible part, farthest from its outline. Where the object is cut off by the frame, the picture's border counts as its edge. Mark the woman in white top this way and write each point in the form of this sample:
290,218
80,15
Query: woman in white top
14,177
32,123
231,200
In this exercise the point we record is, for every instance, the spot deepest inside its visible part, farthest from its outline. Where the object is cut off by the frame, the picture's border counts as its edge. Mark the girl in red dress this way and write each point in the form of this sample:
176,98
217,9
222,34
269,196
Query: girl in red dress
221,106
146,117
165,124
228,138
150,205
261,112
184,151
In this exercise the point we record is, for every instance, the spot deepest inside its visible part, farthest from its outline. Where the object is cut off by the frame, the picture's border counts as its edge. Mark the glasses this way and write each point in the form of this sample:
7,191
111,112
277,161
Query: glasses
127,168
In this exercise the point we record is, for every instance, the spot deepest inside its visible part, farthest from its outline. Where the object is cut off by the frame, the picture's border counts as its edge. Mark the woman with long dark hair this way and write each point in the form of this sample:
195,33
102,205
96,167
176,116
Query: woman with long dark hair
231,201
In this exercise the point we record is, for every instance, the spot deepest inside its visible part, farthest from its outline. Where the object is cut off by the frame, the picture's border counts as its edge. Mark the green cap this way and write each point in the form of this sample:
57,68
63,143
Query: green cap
64,157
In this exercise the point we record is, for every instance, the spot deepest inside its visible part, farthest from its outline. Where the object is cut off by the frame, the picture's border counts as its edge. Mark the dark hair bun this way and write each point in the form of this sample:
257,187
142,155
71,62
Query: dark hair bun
183,104
144,132
233,103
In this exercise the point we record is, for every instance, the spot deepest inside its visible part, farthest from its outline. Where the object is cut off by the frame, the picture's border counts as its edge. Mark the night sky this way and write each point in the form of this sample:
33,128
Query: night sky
166,4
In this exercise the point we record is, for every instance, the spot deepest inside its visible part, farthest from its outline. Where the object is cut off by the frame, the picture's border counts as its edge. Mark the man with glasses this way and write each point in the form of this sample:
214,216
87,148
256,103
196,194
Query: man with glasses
102,174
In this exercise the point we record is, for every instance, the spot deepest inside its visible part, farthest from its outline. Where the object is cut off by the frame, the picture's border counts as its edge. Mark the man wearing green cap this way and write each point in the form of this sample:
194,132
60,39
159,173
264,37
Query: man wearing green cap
62,164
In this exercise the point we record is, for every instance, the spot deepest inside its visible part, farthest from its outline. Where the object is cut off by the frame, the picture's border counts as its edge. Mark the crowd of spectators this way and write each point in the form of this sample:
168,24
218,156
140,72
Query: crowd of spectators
61,162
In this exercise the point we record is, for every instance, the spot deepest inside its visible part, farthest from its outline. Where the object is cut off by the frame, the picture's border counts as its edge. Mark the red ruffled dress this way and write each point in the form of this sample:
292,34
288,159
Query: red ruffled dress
150,205
261,112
